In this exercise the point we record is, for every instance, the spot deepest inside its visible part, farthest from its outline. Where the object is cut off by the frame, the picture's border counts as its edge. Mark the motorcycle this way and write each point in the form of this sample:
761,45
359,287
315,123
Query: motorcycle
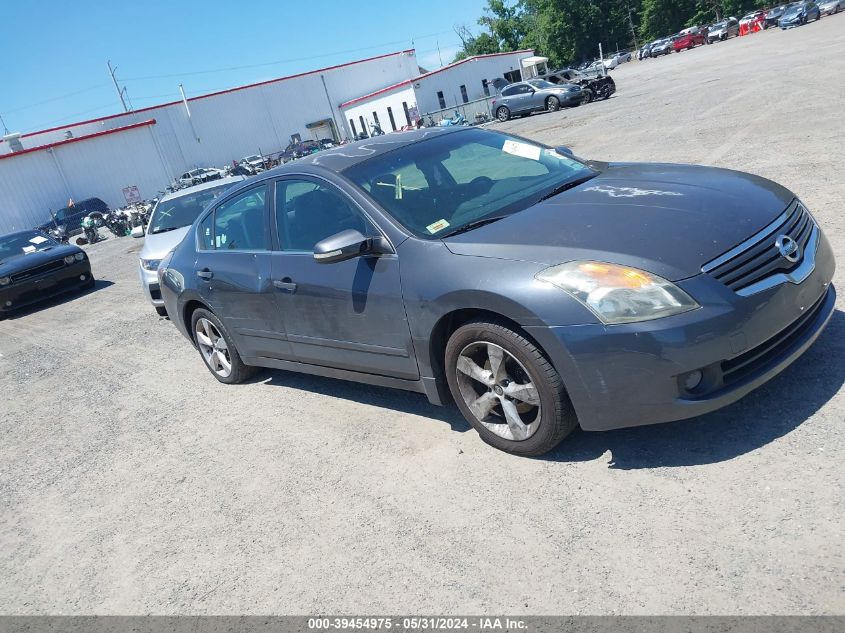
376,131
458,119
89,227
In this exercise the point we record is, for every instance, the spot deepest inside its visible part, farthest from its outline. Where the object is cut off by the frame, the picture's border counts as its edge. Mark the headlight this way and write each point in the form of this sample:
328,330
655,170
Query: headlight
617,294
79,256
150,264
5,281
69,259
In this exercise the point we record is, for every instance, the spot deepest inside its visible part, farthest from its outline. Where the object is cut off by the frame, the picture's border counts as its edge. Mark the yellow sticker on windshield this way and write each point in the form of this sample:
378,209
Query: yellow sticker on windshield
525,150
434,227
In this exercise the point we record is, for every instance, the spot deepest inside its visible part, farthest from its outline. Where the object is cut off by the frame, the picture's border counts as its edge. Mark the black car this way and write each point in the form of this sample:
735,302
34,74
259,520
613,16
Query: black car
535,290
774,15
594,86
71,216
34,266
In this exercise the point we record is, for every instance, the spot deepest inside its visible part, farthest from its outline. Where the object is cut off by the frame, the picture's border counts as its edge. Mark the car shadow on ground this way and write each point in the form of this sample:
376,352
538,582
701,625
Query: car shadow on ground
763,416
58,300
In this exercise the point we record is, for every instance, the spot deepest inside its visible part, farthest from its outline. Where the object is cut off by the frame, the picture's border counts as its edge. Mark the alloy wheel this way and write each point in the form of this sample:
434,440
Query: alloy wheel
213,348
498,390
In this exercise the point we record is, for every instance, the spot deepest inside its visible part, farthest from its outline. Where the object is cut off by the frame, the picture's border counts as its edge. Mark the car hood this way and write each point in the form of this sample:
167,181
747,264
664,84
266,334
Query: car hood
157,245
23,261
667,219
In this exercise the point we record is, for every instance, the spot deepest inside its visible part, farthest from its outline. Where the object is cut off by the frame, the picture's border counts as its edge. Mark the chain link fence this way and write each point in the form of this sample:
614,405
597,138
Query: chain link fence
475,111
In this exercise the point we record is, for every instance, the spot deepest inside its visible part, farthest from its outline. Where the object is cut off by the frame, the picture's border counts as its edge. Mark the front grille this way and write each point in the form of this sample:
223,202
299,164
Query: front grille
758,258
750,362
37,271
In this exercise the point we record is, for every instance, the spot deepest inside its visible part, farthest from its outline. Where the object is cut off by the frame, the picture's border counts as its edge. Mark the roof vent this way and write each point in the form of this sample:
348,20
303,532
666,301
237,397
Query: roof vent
14,141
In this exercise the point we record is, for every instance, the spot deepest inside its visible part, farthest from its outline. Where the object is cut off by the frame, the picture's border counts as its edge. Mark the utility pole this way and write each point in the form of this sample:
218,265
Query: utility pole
5,129
120,93
633,30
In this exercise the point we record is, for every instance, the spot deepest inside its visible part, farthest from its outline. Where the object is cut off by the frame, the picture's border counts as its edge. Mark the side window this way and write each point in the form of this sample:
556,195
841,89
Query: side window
307,212
206,233
507,92
239,222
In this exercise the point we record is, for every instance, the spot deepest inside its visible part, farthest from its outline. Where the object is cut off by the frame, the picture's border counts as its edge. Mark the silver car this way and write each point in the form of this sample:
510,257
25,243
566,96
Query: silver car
831,6
535,95
170,220
719,32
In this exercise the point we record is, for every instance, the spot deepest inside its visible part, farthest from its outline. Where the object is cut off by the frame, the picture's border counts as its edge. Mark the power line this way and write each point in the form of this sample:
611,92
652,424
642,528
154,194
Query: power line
280,61
58,98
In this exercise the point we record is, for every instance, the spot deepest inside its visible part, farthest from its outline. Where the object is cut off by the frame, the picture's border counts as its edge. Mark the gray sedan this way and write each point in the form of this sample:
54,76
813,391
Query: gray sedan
535,95
536,290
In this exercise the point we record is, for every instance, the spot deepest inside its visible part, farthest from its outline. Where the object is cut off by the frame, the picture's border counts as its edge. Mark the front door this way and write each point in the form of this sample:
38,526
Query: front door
349,315
233,269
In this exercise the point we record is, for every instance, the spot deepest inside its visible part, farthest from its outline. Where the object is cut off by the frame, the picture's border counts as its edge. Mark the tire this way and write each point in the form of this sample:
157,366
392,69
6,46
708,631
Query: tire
552,104
238,370
588,95
161,311
503,113
90,283
543,425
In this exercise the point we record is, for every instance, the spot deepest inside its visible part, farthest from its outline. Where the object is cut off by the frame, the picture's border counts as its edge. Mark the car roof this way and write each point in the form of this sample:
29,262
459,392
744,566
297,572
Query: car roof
230,180
345,156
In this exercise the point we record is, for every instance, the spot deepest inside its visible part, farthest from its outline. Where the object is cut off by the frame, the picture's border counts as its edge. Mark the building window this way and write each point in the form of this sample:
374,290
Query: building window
464,94
513,76
407,114
363,125
352,125
485,87
441,99
392,121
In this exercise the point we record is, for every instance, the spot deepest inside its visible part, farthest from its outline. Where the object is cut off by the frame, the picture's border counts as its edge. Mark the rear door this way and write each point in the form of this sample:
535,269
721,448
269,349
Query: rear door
233,270
349,315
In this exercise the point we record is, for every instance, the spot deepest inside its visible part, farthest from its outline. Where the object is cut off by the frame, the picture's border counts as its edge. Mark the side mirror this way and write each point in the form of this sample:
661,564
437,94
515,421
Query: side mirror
563,149
137,231
348,244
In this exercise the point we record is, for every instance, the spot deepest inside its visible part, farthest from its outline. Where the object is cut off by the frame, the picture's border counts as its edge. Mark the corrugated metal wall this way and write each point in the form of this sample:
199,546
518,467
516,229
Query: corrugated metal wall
230,125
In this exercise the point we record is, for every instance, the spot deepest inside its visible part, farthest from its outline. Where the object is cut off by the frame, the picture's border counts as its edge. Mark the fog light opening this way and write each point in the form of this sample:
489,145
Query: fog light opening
8,304
81,277
692,380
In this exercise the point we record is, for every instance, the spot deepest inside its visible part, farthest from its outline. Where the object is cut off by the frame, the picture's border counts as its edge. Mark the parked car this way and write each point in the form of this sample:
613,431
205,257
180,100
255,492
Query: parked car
534,289
169,222
689,38
197,176
773,15
71,216
594,86
535,95
829,7
753,22
662,47
255,161
34,267
645,51
798,14
722,30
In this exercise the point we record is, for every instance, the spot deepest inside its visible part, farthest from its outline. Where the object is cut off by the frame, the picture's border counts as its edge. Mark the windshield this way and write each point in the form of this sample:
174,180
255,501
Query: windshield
175,213
436,186
24,243
795,8
719,25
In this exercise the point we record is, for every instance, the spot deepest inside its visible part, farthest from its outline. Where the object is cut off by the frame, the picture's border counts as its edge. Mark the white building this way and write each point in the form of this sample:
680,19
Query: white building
149,147
396,105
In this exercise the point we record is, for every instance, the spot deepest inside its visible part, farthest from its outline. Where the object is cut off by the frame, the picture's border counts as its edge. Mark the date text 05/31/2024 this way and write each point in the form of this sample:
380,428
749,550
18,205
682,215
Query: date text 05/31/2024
410,623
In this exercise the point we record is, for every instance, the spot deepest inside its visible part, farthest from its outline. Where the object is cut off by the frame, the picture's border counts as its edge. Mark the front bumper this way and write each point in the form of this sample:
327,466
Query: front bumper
66,279
150,287
632,375
788,24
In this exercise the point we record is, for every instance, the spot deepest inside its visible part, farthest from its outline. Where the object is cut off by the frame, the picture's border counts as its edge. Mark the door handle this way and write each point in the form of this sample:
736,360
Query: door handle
205,273
285,285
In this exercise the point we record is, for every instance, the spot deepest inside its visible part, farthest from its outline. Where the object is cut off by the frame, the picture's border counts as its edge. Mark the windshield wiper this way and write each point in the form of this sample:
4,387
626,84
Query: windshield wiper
473,225
566,186
169,228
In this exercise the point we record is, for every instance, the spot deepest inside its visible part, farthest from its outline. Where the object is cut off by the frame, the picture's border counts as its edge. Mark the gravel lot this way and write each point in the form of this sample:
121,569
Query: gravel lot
132,482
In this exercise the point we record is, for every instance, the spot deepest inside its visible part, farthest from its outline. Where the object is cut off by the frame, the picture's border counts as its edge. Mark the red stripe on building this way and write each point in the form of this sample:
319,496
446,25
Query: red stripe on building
76,139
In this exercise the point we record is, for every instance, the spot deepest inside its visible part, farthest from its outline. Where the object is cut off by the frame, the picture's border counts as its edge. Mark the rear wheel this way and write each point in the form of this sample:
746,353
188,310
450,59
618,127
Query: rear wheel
552,104
588,95
507,389
503,113
217,348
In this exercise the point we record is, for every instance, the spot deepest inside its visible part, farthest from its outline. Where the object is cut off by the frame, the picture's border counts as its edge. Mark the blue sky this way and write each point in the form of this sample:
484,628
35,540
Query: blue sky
54,52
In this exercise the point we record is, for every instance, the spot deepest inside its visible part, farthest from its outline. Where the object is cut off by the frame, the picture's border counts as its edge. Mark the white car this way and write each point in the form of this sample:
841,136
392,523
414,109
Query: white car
197,176
171,218
611,62
255,161
829,7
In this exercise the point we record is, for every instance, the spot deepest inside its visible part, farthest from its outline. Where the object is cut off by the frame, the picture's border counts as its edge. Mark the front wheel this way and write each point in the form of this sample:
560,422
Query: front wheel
507,389
588,95
552,104
217,348
503,114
